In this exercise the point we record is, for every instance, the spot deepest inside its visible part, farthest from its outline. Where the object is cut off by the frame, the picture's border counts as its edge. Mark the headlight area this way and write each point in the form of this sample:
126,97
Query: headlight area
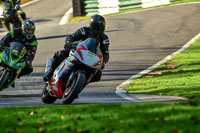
6,57
19,64
72,59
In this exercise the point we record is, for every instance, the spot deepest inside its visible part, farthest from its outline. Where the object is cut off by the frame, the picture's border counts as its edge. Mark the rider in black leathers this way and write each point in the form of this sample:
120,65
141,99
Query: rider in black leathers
96,30
16,4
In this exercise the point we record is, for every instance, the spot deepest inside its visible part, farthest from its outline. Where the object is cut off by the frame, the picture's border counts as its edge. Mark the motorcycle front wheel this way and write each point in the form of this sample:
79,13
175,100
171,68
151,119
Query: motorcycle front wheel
46,96
72,92
3,78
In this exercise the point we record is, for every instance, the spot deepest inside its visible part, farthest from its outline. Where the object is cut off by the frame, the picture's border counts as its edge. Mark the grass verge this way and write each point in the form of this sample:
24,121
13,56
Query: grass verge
102,118
177,77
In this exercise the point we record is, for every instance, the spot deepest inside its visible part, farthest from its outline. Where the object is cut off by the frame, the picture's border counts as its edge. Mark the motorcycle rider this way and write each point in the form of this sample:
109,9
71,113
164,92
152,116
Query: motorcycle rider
95,30
16,4
26,36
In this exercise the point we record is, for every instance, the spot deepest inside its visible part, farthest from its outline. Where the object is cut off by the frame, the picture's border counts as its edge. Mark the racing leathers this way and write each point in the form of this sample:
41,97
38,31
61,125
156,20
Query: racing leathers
81,34
16,4
16,35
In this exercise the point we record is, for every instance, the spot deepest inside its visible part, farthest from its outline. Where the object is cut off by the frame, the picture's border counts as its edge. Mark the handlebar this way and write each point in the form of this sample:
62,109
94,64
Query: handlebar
4,48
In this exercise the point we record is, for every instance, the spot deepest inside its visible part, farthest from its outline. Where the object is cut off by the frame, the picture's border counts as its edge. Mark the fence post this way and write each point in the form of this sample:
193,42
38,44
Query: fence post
78,8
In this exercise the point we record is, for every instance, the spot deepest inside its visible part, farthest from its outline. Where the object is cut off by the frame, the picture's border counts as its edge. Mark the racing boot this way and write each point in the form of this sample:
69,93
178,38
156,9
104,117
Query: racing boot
13,85
23,16
47,76
25,71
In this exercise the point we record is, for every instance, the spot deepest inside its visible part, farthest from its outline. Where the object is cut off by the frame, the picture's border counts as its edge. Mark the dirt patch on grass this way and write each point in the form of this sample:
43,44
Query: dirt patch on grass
170,67
24,1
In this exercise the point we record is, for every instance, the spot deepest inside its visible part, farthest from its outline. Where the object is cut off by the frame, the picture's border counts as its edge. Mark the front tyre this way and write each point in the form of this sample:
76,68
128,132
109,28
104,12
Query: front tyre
46,97
72,92
3,78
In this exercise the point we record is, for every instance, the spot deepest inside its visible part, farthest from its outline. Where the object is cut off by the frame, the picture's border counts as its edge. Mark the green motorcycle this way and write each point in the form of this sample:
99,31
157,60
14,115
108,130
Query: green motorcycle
11,62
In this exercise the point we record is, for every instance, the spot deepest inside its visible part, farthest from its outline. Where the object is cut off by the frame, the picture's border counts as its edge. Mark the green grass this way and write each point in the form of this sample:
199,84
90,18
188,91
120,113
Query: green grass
81,18
180,117
180,77
102,118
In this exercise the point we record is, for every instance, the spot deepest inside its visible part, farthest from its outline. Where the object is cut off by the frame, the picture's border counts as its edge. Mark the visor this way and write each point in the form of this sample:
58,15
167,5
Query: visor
29,31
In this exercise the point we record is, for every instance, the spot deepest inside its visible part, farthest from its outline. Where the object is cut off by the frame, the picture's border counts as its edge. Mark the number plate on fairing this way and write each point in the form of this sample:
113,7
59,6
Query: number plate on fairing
65,65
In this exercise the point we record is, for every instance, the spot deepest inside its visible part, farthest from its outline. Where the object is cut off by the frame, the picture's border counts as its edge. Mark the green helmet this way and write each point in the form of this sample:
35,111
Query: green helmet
28,29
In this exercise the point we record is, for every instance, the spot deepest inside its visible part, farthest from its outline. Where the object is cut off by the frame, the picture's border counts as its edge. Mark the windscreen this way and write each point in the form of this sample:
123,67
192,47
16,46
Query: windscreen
17,49
6,6
91,44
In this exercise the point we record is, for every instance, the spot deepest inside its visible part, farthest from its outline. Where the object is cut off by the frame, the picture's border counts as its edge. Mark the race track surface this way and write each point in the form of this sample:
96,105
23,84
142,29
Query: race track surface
137,40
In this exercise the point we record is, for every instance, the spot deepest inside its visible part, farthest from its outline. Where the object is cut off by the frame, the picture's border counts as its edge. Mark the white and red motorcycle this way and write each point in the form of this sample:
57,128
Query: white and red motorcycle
74,73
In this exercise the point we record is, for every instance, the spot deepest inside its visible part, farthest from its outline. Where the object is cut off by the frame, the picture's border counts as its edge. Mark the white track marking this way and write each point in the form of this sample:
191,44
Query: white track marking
123,93
66,17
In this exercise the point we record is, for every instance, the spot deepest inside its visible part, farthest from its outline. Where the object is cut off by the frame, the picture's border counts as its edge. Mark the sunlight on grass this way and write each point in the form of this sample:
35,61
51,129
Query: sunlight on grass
182,82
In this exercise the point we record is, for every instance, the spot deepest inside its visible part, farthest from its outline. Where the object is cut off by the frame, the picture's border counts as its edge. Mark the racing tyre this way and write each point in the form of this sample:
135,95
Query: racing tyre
46,96
72,92
3,78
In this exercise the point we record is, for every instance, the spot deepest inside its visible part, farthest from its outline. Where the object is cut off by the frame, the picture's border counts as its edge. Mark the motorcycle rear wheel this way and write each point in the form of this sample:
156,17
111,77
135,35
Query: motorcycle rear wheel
46,97
71,93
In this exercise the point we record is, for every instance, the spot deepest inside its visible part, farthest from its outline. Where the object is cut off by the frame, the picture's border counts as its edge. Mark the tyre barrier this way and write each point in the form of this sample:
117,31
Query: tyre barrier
102,7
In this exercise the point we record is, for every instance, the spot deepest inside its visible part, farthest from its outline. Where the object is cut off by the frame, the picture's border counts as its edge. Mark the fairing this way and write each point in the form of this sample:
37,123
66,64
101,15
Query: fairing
88,52
13,57
57,81
86,56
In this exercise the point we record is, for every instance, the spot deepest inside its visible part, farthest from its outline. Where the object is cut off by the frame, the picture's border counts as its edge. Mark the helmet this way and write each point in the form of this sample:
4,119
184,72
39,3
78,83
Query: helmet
28,29
97,23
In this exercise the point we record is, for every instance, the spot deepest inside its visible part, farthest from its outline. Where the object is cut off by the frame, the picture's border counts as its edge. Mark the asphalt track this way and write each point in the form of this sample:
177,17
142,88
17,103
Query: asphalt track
137,41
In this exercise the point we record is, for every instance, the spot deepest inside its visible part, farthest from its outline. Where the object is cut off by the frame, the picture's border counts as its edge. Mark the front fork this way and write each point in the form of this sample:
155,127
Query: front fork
89,78
73,76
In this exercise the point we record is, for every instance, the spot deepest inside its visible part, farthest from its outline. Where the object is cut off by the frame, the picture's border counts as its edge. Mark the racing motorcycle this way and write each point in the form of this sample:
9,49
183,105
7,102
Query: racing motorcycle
11,62
9,17
74,73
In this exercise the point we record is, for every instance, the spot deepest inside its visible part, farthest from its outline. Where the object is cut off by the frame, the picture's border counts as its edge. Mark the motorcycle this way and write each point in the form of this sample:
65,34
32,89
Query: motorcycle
11,62
9,17
74,73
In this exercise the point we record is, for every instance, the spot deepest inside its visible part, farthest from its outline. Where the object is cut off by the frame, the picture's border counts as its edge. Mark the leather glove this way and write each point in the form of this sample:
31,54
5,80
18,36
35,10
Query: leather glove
17,7
28,62
103,66
68,45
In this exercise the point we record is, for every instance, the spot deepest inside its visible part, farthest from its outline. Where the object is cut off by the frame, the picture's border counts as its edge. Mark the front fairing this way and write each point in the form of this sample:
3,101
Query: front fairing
15,63
62,70
88,56
59,78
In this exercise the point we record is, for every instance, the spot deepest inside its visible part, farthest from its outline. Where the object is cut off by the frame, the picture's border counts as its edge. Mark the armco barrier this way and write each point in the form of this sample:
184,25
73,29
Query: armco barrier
78,8
101,6
91,7
151,3
129,4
